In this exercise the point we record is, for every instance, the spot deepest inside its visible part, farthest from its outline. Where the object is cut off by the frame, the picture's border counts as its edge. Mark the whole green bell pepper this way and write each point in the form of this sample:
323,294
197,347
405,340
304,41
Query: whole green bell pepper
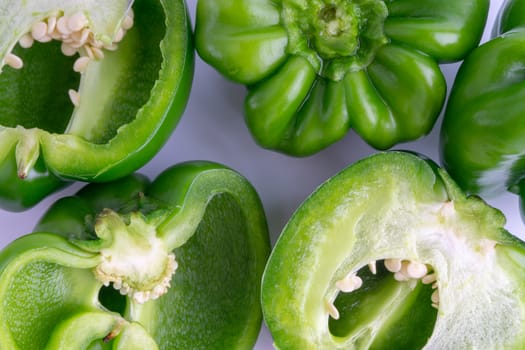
315,68
171,264
88,90
390,254
483,133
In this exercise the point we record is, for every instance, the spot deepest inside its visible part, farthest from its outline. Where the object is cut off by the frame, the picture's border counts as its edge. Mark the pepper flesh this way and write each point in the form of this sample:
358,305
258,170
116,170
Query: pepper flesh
59,286
130,100
387,207
316,68
483,134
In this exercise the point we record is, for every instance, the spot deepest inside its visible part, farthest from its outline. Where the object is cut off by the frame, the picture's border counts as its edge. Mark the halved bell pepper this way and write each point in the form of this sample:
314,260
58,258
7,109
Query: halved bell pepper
171,264
89,91
483,131
316,68
390,254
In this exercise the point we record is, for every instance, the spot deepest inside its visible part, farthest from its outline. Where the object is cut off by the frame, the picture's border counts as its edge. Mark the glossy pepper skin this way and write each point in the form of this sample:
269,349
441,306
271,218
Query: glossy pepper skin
186,250
130,100
483,134
315,68
327,284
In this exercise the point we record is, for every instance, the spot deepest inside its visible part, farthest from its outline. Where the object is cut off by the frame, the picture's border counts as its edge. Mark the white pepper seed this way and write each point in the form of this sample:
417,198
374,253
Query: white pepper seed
119,35
400,277
430,278
416,270
26,41
67,49
393,265
332,310
96,43
56,34
44,39
435,297
77,21
89,51
125,289
75,36
84,36
81,64
118,283
344,285
75,44
127,23
350,283
98,53
111,47
62,26
75,99
14,61
51,25
357,281
39,30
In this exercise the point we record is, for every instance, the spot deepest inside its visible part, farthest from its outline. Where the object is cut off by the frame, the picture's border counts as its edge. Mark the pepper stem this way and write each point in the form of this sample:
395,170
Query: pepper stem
337,30
133,258
335,36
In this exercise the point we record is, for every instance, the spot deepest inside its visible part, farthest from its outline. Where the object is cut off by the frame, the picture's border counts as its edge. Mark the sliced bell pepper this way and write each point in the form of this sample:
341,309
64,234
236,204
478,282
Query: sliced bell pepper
88,90
390,254
171,264
483,133
315,68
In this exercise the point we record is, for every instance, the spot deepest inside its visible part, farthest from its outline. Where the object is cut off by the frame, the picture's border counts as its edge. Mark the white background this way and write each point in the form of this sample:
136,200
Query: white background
213,128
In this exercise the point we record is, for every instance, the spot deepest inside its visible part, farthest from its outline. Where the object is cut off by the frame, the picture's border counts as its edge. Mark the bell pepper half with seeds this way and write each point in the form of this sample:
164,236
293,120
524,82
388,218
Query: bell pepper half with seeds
390,254
89,91
316,68
174,263
483,130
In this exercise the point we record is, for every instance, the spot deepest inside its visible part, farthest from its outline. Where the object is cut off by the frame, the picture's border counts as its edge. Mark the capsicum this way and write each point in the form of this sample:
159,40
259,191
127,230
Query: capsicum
173,263
483,133
316,68
391,254
89,91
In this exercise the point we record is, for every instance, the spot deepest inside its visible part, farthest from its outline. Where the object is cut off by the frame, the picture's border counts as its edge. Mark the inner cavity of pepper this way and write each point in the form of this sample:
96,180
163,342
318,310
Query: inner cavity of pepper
112,90
76,38
365,295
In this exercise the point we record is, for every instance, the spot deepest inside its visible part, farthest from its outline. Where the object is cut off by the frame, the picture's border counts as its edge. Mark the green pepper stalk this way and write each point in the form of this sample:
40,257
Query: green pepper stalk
390,254
87,92
483,134
133,264
315,68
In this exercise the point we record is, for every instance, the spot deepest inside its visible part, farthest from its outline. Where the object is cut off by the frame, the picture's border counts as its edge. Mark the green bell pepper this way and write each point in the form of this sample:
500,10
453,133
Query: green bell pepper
315,68
88,91
171,264
483,133
390,254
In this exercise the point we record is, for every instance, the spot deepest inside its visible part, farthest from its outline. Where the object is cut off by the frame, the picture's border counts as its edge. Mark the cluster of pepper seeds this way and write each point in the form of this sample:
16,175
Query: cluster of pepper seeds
76,37
403,270
140,296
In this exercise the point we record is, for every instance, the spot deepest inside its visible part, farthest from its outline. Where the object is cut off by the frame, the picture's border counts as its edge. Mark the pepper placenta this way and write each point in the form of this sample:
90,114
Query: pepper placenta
390,254
483,133
316,68
185,252
88,92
